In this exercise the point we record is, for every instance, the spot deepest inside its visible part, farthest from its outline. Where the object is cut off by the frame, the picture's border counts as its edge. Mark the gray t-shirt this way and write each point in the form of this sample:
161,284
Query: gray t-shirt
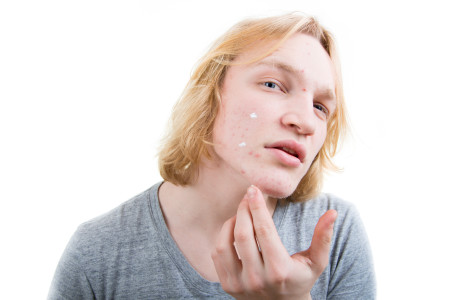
129,253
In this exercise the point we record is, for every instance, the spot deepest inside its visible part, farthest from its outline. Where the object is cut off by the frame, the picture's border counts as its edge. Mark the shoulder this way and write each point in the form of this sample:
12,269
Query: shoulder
102,246
306,214
128,221
324,202
348,214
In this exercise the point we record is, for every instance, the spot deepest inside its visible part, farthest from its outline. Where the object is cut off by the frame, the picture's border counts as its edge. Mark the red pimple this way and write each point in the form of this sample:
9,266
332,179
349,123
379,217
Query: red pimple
242,172
304,89
257,155
250,153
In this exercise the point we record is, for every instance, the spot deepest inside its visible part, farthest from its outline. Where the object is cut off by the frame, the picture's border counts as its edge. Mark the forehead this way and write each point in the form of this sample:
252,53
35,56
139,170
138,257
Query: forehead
301,56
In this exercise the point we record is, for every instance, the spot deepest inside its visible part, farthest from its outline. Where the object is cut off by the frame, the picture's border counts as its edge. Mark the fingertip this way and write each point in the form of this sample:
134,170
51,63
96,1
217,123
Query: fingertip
254,197
251,192
333,214
331,218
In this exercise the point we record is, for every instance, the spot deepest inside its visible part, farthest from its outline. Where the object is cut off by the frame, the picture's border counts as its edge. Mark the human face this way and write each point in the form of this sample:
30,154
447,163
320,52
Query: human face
273,116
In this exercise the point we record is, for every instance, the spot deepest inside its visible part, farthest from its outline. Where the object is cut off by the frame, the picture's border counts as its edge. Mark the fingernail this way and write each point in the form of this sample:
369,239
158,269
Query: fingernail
251,191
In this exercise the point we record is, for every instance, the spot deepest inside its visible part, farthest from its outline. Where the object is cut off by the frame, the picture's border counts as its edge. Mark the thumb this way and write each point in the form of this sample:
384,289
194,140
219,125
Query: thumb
318,252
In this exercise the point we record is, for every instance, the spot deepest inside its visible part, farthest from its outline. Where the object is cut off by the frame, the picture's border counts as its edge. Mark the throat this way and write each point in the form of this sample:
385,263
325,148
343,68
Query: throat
197,249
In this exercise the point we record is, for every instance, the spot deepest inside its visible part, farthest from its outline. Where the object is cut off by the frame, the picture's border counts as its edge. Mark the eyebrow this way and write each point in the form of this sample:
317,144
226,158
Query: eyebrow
326,92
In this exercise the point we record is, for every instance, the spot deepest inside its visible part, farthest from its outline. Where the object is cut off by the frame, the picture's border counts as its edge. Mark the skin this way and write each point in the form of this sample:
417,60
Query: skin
288,103
291,92
271,273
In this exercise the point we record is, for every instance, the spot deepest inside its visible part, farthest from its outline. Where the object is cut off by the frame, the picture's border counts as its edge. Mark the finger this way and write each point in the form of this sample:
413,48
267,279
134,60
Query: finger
272,249
224,256
244,236
318,252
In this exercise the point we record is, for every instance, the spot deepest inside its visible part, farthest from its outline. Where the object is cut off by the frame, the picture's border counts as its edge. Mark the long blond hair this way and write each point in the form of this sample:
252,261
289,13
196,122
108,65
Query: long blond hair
189,135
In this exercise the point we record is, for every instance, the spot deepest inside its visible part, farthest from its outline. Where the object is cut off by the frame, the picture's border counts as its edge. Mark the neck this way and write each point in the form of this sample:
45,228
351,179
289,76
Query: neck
206,204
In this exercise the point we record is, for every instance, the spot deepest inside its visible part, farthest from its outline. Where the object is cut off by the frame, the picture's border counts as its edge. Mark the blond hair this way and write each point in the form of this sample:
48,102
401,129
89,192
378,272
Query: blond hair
189,136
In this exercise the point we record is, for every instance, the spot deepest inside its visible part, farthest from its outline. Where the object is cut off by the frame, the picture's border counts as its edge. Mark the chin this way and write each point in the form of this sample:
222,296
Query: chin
276,189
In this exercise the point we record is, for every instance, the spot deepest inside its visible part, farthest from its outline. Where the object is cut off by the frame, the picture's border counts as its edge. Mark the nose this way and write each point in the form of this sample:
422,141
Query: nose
300,119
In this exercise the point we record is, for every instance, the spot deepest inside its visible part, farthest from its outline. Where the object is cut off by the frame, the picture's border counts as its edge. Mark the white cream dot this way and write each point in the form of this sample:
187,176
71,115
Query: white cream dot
243,144
253,115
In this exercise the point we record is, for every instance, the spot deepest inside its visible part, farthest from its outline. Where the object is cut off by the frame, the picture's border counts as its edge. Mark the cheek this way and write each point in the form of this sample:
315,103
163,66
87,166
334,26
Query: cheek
237,124
320,137
231,130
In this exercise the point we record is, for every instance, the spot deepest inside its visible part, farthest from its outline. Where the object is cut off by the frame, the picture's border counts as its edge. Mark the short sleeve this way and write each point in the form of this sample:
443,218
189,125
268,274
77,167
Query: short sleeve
70,281
352,274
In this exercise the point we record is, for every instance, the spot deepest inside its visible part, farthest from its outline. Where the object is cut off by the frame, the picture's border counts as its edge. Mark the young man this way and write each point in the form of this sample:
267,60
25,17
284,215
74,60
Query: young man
239,213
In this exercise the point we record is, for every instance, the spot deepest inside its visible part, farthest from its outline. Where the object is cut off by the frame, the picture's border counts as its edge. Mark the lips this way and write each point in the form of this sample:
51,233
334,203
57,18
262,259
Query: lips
289,152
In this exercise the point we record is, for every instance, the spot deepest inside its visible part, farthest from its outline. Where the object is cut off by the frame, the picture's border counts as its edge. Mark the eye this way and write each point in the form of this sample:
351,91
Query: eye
322,109
271,85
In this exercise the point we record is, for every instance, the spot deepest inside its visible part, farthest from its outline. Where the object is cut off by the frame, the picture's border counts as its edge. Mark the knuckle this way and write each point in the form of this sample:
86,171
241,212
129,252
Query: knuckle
321,265
214,255
241,235
220,250
255,283
232,287
263,230
227,288
326,239
278,276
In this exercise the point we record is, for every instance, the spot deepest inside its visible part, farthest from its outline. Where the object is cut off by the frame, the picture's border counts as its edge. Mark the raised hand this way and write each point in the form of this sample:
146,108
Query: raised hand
252,263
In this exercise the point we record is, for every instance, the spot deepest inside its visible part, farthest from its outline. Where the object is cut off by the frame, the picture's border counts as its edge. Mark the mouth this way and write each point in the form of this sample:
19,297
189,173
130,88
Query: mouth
289,149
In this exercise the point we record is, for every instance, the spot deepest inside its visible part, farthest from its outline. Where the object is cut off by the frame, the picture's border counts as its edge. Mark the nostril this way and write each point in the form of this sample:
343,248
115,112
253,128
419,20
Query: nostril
295,126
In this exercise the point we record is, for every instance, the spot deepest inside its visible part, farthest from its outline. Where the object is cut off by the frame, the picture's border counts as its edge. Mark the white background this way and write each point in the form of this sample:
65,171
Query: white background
86,88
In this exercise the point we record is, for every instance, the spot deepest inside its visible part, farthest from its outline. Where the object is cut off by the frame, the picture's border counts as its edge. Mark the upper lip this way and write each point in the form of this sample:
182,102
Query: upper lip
292,145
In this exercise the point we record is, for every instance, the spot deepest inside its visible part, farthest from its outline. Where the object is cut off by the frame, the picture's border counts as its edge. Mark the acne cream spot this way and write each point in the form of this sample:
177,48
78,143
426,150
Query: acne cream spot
253,115
243,144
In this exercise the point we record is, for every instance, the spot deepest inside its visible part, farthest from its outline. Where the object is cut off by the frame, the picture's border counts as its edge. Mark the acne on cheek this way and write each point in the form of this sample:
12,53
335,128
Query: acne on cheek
257,155
252,115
